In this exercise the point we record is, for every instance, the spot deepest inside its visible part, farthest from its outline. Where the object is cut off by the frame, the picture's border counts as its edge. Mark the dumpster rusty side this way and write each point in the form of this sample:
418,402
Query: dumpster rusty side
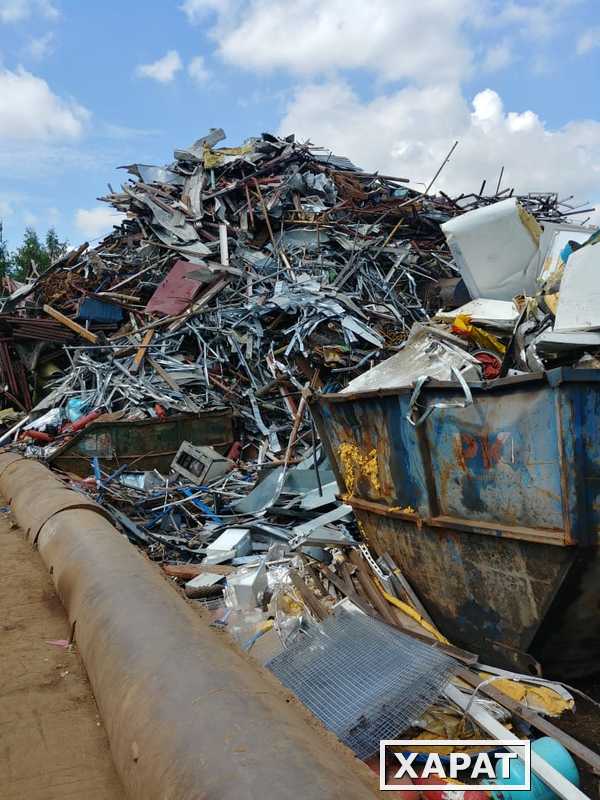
492,511
143,444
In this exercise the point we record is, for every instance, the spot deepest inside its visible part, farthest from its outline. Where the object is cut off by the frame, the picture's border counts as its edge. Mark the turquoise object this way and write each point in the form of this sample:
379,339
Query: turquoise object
76,408
554,754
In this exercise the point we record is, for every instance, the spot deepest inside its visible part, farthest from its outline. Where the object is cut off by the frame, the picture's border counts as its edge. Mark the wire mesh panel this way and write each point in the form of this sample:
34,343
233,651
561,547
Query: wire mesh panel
362,679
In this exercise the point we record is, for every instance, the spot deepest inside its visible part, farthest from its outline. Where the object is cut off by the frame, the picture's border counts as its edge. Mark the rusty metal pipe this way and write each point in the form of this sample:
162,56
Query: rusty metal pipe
188,715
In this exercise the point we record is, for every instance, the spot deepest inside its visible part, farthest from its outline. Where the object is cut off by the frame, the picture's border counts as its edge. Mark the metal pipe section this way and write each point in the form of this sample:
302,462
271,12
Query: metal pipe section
30,486
188,715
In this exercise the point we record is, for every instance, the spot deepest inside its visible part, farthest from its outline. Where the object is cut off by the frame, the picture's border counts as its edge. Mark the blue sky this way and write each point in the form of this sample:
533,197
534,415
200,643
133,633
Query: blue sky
85,87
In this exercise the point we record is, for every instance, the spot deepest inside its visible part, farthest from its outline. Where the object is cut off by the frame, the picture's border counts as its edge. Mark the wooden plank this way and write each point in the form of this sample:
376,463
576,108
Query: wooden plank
406,588
139,356
311,599
372,592
69,323
163,374
542,724
118,296
73,256
345,587
310,570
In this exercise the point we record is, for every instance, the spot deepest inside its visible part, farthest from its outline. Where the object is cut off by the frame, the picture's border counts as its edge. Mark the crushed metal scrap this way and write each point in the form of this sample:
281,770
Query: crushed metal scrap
175,373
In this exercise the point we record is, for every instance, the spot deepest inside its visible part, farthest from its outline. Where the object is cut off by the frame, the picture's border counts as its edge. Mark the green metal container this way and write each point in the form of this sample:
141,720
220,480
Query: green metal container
143,444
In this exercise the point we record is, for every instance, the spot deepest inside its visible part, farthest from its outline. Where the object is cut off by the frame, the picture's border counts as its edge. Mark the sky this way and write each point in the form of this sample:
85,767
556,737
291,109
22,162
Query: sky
86,87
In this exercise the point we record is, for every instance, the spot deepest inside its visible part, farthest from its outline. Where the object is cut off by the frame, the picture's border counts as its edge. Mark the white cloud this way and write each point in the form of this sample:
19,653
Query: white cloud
536,19
40,47
95,222
197,70
395,40
408,133
30,110
588,41
13,10
196,10
163,70
48,9
43,218
19,10
498,57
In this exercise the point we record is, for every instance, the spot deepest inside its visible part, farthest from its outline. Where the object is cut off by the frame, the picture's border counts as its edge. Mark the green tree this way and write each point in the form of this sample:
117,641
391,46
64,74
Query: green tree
5,259
54,247
33,256
30,258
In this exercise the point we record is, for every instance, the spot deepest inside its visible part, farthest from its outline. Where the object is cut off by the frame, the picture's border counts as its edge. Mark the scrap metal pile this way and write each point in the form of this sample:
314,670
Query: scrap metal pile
243,279
238,276
167,372
532,280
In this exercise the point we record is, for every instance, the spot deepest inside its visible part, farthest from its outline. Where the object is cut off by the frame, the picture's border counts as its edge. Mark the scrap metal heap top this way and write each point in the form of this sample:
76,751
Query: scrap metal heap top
238,276
243,274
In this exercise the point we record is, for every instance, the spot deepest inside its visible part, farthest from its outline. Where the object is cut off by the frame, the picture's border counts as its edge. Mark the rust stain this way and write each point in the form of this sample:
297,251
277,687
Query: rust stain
458,452
467,447
445,472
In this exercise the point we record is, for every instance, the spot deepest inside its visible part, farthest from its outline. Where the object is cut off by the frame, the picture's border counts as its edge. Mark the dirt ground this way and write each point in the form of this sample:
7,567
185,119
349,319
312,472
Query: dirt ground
52,743
584,725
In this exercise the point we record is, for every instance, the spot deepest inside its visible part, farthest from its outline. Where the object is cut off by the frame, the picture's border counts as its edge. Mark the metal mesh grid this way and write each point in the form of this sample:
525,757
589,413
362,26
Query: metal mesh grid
362,679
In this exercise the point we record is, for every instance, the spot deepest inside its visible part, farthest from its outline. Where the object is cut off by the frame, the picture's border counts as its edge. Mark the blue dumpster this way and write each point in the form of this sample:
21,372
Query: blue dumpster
492,511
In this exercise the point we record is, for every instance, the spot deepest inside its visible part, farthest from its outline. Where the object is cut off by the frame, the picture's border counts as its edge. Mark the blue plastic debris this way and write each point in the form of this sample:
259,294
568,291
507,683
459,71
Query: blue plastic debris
92,310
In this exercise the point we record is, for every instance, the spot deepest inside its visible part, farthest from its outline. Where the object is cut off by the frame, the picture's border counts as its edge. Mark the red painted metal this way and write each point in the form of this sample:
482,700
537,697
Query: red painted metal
82,422
38,436
176,291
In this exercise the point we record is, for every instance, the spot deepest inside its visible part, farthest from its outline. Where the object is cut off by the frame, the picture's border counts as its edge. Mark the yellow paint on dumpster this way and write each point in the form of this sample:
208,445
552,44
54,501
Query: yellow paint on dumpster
356,465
